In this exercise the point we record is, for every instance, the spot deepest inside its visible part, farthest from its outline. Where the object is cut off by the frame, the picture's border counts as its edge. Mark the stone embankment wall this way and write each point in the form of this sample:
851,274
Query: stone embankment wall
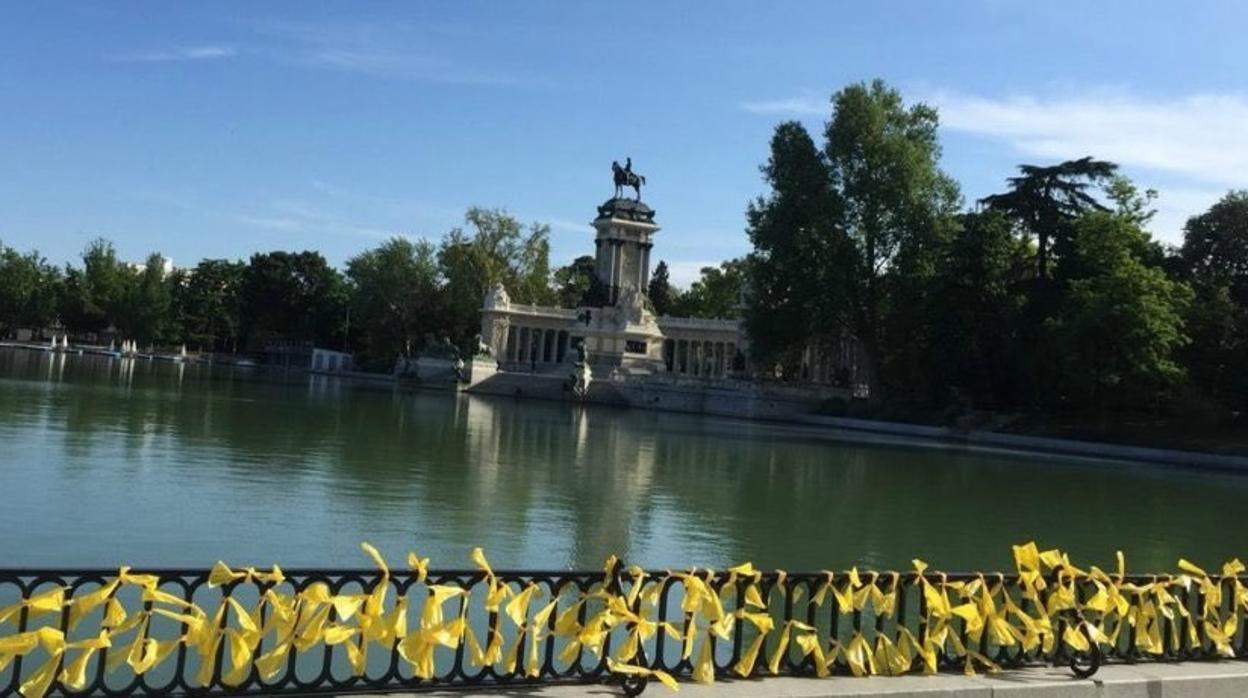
1034,444
727,398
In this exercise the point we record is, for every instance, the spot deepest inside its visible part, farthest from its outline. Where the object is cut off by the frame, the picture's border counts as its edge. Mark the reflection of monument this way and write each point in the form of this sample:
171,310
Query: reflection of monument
614,320
604,470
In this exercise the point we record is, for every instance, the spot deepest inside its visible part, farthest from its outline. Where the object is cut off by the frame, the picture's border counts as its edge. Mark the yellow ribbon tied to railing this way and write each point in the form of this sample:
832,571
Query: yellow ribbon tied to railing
1047,601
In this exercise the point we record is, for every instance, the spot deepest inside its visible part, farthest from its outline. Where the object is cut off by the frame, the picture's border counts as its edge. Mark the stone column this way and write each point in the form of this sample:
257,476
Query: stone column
613,279
617,272
645,265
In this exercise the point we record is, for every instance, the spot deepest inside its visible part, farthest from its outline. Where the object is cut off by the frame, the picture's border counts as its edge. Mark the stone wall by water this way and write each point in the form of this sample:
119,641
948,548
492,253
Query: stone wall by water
722,397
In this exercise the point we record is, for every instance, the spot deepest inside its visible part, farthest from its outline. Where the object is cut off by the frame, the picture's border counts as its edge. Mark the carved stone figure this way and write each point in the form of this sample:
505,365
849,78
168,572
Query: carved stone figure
484,350
631,304
498,336
582,375
625,177
497,297
442,349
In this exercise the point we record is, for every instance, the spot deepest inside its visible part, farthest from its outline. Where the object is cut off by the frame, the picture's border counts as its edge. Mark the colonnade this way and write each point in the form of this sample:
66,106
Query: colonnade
842,363
535,345
702,358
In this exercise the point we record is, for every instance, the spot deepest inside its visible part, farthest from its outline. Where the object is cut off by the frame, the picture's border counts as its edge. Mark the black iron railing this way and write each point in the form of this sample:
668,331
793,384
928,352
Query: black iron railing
576,626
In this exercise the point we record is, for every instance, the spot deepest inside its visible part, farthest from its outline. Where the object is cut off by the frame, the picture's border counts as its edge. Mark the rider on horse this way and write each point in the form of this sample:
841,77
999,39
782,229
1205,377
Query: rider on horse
625,177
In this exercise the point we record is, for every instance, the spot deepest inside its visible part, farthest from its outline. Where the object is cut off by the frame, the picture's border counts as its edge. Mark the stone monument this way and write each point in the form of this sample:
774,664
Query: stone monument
622,332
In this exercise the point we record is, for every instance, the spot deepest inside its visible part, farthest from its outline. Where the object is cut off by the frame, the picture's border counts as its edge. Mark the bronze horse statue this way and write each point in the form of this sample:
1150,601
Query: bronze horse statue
625,177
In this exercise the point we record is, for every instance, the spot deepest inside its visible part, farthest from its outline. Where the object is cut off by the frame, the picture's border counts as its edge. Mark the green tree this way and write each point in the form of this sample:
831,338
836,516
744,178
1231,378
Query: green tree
1215,246
907,375
802,262
660,291
1214,259
1046,200
882,158
716,293
499,250
395,298
572,282
207,301
94,294
1122,319
975,313
293,296
29,288
141,310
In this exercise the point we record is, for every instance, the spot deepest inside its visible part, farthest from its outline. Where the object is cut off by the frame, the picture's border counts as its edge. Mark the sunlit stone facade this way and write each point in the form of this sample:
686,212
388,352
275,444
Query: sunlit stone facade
615,322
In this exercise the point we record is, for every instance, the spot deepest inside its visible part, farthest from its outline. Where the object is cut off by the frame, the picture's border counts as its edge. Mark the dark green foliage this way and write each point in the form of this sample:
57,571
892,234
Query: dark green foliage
965,310
1214,260
976,312
573,282
142,310
293,296
1121,320
394,297
1046,200
661,292
882,157
802,262
29,291
716,293
208,303
93,293
499,250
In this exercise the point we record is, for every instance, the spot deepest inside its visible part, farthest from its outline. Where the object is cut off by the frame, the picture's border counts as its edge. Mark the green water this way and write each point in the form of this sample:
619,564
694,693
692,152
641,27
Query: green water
104,462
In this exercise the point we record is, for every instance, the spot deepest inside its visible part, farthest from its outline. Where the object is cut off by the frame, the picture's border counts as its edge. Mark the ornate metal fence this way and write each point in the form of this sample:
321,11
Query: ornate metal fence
69,632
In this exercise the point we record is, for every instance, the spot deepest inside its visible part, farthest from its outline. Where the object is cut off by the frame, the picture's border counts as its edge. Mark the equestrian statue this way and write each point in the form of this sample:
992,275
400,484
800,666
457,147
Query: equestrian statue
625,177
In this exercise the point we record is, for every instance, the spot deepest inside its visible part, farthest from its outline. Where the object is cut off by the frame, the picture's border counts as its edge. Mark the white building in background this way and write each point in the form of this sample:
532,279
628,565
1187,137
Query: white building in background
166,266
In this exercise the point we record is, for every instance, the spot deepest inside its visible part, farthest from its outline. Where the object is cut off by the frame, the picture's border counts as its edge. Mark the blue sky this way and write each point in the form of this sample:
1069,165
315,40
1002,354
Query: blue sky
221,129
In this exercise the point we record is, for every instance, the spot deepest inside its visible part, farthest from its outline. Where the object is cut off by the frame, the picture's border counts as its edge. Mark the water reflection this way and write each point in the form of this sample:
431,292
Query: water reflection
107,461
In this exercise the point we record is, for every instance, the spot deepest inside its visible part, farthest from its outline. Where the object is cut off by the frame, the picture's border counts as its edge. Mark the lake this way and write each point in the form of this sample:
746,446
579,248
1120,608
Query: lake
109,461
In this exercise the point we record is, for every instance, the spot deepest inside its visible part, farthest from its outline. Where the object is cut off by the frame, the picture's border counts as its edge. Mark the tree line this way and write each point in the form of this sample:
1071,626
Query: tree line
1050,295
386,301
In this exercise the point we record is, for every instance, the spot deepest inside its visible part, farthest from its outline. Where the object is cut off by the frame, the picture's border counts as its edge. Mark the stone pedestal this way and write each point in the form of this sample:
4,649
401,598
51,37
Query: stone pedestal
478,369
625,235
435,373
621,333
623,336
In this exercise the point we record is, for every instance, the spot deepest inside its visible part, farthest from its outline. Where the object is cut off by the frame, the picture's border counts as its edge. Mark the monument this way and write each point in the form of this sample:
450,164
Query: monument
612,348
614,323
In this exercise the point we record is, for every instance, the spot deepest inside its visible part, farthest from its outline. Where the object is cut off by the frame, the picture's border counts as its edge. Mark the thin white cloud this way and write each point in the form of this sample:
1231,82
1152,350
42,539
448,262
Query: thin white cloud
288,216
1196,146
563,224
271,222
1200,137
391,50
805,105
183,53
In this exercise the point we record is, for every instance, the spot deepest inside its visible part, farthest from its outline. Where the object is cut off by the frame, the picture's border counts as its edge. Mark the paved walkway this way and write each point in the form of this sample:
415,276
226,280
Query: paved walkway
1227,679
